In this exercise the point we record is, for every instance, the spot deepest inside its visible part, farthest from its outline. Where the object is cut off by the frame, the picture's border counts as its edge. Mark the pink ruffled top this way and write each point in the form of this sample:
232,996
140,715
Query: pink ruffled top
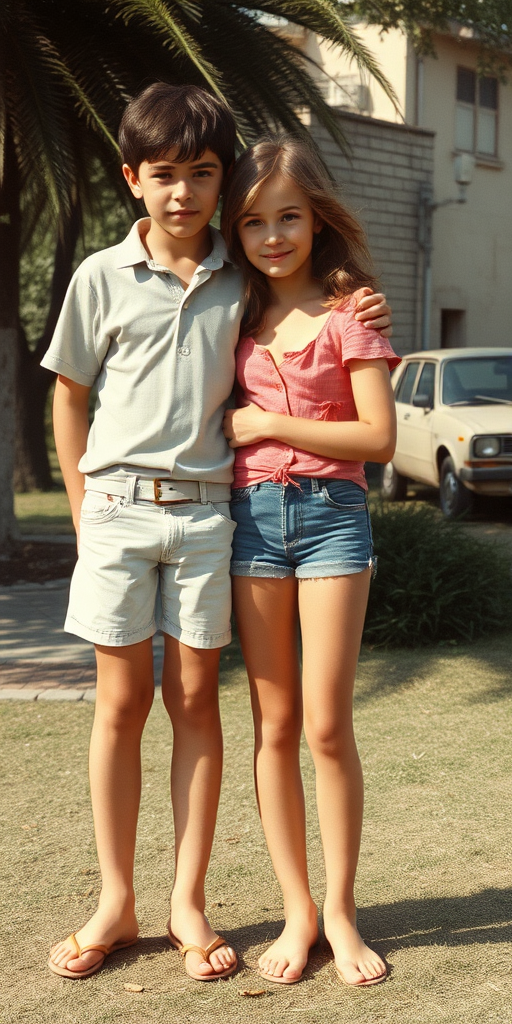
313,383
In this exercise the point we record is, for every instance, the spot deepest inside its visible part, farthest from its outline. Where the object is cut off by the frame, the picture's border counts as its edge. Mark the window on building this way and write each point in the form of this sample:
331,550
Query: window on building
476,119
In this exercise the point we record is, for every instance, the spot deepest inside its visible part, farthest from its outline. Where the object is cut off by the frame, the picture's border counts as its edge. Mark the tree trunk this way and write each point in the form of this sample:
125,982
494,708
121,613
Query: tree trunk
9,291
32,467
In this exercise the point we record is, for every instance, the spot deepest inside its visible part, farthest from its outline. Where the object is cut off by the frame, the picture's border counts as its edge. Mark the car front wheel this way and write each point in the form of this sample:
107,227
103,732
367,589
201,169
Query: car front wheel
393,486
454,498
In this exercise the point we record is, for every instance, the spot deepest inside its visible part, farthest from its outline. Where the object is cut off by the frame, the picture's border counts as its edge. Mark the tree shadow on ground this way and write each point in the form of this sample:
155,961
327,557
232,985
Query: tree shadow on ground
483,917
381,672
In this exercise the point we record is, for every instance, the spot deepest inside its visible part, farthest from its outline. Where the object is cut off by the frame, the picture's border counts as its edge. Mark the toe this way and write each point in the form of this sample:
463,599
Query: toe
294,969
351,973
202,967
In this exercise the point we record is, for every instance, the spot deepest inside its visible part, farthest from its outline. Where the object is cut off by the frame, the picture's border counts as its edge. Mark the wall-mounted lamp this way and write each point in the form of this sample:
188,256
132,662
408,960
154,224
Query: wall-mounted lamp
464,164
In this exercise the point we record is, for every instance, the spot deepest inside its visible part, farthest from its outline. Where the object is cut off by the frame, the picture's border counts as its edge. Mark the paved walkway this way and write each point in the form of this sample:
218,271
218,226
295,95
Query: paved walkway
38,661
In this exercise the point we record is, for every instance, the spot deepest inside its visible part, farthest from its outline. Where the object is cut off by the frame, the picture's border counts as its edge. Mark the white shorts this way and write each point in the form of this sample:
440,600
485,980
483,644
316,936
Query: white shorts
144,567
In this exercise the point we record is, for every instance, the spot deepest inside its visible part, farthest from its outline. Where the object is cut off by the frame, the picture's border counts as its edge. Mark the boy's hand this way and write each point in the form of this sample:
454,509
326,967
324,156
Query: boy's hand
373,311
246,425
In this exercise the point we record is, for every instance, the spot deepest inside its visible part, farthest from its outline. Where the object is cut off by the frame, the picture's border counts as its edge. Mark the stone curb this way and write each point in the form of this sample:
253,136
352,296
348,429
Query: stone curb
56,694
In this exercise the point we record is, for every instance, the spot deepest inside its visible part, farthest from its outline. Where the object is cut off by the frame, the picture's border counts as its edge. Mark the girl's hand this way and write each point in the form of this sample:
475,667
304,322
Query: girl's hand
373,311
246,425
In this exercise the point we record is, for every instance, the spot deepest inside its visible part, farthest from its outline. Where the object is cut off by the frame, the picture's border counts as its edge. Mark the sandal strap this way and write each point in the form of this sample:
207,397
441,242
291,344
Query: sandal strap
216,944
96,947
190,948
204,953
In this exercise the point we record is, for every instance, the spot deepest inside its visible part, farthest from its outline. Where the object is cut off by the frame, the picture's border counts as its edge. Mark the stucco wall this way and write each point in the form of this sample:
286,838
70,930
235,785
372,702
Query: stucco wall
472,243
381,184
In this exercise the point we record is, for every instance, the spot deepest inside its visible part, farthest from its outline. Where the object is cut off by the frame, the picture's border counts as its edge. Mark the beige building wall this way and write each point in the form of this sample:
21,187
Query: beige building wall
472,242
380,183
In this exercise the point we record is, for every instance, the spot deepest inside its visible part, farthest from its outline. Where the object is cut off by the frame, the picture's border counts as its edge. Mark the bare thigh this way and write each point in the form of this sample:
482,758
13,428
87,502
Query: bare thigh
267,619
332,613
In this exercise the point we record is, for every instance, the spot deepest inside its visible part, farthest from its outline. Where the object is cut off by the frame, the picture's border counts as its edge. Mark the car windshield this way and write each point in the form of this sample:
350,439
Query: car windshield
484,380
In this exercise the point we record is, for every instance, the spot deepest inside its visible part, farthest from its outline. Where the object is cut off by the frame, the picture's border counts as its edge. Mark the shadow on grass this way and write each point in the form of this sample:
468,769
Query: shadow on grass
483,917
385,671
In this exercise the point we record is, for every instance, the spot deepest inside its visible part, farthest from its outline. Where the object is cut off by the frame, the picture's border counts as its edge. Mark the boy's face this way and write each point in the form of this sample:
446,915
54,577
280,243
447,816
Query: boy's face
180,197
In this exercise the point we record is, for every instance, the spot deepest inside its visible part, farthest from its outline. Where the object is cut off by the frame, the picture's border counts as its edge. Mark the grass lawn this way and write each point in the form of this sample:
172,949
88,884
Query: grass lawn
45,512
434,886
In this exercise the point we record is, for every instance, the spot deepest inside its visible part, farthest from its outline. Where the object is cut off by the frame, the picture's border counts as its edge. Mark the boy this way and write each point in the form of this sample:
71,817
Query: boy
153,322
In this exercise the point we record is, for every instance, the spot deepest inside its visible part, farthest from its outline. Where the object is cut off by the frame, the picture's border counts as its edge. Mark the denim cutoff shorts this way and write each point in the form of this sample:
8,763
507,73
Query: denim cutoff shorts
318,529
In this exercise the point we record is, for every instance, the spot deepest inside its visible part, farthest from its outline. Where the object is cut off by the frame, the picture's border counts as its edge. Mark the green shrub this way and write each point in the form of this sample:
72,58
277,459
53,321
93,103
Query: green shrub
435,582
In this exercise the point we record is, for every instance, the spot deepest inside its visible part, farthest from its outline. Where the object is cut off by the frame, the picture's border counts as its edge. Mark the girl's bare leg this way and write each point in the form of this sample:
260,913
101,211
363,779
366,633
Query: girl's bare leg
190,692
332,616
123,699
266,613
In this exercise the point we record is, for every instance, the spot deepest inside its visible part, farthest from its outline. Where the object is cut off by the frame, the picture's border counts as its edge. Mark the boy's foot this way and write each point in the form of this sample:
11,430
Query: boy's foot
285,960
106,929
191,928
356,964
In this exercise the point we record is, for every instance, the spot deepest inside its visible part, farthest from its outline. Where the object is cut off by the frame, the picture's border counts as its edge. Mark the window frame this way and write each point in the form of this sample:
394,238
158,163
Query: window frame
475,108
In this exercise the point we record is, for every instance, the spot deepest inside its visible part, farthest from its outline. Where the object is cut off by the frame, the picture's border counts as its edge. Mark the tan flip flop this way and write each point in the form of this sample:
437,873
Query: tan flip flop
80,950
205,954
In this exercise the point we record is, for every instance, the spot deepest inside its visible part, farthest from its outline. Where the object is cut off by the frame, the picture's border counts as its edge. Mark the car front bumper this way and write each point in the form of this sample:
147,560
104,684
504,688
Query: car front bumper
482,474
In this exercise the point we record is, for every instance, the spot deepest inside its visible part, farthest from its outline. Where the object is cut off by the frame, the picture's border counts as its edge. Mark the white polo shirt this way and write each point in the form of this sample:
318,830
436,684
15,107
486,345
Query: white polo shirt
162,359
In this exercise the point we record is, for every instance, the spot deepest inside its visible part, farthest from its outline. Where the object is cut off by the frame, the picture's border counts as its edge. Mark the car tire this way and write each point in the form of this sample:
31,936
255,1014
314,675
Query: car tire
393,486
454,498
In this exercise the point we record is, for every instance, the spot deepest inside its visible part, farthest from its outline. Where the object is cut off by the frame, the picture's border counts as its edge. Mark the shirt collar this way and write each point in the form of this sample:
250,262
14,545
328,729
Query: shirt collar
131,250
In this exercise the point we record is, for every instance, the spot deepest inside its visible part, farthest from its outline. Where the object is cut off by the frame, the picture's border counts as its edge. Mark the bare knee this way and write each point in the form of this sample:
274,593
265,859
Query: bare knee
123,712
328,739
193,709
279,734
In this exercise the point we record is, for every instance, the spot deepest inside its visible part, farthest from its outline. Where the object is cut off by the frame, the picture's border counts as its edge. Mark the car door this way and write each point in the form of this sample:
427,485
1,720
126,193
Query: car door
415,423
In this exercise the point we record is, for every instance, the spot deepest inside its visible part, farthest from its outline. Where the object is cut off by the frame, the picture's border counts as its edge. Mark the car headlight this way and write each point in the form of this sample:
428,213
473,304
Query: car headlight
486,447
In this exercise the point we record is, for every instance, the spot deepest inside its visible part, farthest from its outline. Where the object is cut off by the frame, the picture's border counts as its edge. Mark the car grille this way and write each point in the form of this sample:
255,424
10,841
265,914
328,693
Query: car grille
506,444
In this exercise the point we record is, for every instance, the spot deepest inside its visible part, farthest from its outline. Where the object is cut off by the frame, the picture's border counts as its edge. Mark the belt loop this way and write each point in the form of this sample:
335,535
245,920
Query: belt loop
315,487
131,483
203,492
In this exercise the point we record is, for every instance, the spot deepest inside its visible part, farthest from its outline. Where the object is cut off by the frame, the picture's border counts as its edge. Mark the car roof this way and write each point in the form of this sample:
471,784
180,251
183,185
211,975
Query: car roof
442,354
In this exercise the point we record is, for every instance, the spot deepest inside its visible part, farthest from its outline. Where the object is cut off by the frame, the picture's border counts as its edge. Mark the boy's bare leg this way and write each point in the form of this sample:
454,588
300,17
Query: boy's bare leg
190,693
266,612
332,616
123,699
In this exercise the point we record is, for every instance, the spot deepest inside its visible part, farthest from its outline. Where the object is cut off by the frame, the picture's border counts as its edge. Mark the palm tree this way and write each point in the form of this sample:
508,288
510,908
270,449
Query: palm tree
67,68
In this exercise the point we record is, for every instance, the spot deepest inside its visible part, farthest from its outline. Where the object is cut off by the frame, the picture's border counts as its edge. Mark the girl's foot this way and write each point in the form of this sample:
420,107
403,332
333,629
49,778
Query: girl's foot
190,927
287,957
356,964
107,927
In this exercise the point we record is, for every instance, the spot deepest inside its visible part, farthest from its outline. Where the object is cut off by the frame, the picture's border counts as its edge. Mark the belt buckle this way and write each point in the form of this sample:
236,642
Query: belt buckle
157,491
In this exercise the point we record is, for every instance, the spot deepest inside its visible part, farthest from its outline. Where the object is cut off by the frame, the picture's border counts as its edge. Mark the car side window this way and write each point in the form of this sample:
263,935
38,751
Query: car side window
406,383
425,386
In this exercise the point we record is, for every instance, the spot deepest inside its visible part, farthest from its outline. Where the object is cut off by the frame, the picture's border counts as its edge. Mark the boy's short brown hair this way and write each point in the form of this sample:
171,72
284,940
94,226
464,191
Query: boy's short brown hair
185,117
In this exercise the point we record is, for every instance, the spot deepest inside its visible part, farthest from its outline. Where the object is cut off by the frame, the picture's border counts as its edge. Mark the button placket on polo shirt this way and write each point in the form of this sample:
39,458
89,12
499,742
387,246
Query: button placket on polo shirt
202,274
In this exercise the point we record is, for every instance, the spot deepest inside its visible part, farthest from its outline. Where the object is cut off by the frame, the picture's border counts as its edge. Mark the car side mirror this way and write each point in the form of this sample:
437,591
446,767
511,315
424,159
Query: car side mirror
423,402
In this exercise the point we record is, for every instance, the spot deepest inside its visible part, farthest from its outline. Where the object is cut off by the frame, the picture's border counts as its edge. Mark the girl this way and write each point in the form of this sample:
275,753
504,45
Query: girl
316,402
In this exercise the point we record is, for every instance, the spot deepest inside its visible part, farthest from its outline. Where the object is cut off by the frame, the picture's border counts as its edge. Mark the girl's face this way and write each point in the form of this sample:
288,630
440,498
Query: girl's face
277,231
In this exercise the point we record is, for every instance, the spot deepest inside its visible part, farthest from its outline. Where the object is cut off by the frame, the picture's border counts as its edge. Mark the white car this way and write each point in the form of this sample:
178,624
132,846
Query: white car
454,413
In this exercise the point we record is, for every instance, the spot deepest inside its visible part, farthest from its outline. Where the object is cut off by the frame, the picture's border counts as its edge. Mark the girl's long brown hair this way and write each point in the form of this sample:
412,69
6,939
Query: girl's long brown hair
340,256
